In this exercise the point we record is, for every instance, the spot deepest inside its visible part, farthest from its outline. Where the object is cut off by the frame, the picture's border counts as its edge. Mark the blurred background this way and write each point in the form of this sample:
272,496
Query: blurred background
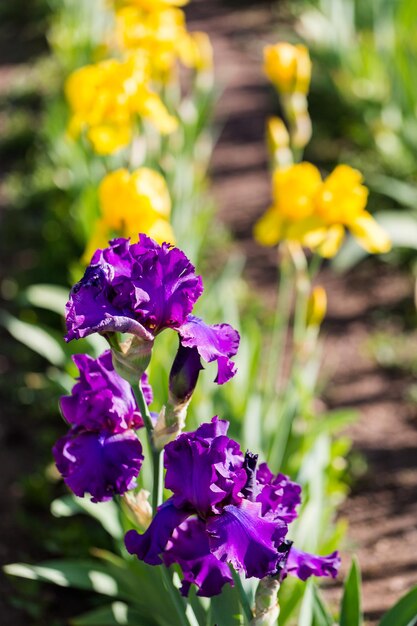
363,104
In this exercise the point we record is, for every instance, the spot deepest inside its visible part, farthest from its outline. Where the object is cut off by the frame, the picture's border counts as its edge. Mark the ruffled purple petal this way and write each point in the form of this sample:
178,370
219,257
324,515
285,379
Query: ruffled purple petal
214,343
189,547
101,399
169,278
140,289
203,471
149,546
278,495
99,464
303,565
241,537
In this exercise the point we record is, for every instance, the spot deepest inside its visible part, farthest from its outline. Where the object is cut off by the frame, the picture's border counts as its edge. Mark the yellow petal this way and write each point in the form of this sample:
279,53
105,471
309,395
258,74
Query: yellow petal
107,139
268,229
370,234
294,189
148,183
342,196
332,241
156,112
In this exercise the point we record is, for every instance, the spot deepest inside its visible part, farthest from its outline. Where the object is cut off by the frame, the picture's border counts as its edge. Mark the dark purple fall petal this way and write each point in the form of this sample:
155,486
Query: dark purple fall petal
149,546
189,547
98,464
241,536
101,400
303,565
214,343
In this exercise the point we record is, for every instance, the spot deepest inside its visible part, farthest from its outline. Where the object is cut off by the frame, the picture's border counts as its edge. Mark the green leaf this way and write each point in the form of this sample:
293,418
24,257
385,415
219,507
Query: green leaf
50,297
34,337
321,616
91,575
225,608
404,613
307,607
351,611
115,614
105,512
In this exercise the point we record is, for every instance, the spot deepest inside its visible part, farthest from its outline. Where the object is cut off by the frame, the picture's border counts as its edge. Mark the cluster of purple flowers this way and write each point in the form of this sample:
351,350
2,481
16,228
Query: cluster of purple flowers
224,511
141,289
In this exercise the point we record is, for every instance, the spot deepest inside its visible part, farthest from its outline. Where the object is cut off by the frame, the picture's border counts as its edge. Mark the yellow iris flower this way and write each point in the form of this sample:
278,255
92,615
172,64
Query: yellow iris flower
132,203
160,32
315,213
288,67
106,97
151,5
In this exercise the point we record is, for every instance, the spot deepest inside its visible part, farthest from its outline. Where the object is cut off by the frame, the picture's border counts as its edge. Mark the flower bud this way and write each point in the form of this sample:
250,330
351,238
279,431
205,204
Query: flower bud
316,307
131,357
288,67
139,504
278,141
266,602
170,424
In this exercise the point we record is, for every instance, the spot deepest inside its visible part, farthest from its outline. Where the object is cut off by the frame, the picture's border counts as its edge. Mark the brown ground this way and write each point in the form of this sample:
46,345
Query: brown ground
382,509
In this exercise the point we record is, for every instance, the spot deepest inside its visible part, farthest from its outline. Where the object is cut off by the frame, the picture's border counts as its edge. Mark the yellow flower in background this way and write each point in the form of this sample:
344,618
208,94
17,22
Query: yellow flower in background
315,213
196,51
131,203
288,67
159,30
150,5
106,97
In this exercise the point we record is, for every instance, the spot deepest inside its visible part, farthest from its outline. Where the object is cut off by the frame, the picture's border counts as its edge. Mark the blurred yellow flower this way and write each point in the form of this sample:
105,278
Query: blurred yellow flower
106,97
315,213
132,203
150,5
288,67
159,30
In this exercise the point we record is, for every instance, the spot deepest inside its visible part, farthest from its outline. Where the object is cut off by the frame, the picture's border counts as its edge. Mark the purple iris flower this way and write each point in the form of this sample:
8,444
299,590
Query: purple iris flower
142,289
98,463
220,514
101,399
101,454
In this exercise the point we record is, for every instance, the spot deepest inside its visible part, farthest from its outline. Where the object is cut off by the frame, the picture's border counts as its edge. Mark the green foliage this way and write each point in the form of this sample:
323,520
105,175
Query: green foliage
351,612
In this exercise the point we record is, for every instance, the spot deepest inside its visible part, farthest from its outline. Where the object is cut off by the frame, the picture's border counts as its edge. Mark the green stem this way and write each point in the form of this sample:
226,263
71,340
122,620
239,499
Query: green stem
280,329
175,596
247,610
157,457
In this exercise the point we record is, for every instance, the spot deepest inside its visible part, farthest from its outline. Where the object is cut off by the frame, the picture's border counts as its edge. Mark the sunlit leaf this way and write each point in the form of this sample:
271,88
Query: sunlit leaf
404,613
351,611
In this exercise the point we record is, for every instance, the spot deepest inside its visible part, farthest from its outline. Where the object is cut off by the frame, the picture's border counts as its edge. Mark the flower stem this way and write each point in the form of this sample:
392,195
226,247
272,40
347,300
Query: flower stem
175,597
242,596
280,328
157,456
